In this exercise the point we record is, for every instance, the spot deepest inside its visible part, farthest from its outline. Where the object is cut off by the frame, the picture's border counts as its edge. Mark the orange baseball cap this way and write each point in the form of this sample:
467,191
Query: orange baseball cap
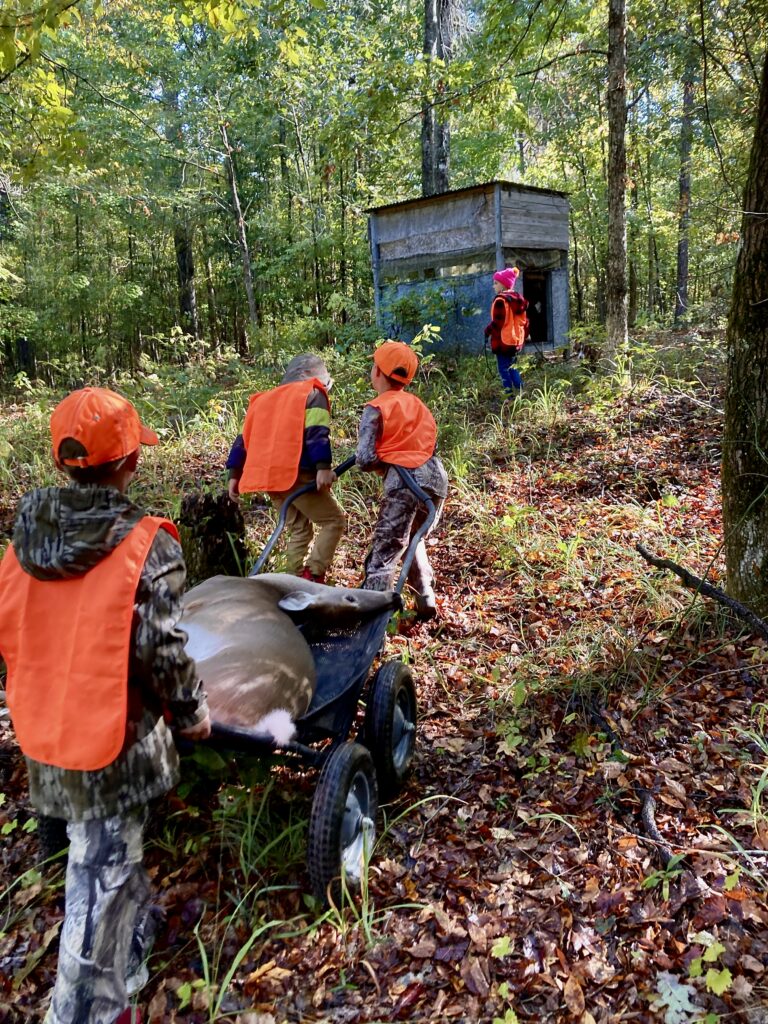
397,360
106,425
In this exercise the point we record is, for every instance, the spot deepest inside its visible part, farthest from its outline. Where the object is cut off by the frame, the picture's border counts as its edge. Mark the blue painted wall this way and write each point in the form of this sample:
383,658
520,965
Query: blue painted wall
460,306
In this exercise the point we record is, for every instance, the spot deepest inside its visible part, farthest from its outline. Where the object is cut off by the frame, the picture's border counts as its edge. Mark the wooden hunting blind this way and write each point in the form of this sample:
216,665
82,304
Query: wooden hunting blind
433,259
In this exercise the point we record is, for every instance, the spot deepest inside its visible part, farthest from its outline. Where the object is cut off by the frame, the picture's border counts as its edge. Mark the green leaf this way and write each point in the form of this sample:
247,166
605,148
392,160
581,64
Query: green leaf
502,947
184,994
7,49
510,1017
30,878
718,981
713,952
732,880
580,745
208,759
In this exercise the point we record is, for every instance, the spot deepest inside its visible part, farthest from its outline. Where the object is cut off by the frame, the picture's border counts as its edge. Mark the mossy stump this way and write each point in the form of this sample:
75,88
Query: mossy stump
212,531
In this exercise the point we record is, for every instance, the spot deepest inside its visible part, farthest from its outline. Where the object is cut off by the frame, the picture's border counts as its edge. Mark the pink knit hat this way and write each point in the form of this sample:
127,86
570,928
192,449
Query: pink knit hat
507,277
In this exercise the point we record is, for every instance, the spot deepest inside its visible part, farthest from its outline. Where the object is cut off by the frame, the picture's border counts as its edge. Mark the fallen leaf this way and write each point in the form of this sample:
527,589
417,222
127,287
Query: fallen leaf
474,974
574,996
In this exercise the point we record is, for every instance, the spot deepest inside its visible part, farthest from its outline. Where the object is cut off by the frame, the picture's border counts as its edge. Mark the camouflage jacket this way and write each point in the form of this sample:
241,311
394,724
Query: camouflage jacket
64,532
431,476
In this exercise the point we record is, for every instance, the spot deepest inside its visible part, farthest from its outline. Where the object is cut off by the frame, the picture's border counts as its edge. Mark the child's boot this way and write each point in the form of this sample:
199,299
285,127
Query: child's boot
315,577
426,606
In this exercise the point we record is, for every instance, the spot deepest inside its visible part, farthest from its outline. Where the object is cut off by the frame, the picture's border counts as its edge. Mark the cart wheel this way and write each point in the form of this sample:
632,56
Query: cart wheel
52,838
390,725
342,826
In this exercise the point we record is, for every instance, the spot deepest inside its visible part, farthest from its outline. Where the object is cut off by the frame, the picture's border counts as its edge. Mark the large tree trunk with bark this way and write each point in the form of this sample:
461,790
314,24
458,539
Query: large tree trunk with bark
684,215
616,277
435,130
745,439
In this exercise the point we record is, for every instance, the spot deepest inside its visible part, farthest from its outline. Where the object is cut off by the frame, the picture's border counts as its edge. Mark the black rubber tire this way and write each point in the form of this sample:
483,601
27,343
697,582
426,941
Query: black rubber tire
390,725
342,826
52,839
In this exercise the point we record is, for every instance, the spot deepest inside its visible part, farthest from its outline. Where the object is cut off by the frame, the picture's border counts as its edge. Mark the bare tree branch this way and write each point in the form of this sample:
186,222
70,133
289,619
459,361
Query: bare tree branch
562,56
758,625
19,64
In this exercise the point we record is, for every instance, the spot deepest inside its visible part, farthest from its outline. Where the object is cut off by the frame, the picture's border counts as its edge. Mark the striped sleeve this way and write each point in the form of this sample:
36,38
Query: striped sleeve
316,453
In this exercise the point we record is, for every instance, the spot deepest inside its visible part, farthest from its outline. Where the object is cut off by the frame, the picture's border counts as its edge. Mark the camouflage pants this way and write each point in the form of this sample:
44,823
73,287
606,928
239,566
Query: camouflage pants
400,516
107,900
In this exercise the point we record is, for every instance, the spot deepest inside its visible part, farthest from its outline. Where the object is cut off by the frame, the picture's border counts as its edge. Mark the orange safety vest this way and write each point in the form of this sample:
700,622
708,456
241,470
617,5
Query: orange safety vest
515,326
273,435
408,432
67,644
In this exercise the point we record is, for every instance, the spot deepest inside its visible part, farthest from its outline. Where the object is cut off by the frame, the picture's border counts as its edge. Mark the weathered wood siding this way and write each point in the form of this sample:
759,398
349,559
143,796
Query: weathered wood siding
533,220
455,226
463,226
433,261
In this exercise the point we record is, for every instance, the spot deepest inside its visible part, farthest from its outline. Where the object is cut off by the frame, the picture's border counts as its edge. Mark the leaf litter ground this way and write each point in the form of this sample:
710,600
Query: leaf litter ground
564,688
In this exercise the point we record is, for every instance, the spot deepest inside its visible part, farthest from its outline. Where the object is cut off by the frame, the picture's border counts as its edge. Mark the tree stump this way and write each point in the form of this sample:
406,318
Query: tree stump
212,532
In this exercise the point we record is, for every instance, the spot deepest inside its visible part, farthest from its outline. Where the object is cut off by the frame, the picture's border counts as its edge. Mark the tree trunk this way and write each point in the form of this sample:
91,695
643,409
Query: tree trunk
303,166
242,239
684,217
435,132
442,156
210,289
634,203
79,268
576,275
185,274
616,270
133,327
183,230
745,438
285,179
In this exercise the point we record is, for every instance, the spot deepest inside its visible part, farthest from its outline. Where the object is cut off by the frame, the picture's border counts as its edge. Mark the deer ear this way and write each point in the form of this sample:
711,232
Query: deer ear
298,603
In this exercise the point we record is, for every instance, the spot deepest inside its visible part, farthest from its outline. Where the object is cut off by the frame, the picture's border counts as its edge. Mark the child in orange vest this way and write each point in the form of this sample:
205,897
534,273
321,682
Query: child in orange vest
397,429
90,597
286,443
508,328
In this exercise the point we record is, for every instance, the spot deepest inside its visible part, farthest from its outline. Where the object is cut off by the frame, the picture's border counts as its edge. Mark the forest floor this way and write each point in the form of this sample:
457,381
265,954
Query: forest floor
565,687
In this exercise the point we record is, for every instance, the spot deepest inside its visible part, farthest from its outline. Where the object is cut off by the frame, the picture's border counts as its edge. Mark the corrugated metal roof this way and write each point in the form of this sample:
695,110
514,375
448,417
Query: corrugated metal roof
423,200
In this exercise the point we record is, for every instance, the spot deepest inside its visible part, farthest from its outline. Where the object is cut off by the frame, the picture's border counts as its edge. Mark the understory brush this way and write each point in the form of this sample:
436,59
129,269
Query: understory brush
563,676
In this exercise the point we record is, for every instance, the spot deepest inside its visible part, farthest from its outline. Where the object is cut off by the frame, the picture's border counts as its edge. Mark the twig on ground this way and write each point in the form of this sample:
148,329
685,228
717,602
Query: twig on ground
760,626
648,819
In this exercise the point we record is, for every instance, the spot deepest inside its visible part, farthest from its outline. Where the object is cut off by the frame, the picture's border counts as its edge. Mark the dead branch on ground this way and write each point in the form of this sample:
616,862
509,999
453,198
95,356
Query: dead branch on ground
760,626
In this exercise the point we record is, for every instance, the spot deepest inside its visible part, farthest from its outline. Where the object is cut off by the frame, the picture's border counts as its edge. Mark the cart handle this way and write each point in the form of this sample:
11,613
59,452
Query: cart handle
410,482
304,489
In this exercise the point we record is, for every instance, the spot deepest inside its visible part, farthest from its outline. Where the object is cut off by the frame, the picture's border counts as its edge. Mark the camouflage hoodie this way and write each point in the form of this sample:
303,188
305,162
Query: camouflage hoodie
62,532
